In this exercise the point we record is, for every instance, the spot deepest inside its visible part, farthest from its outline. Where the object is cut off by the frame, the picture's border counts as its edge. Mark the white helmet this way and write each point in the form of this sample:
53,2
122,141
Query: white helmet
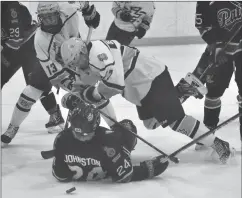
45,7
49,16
74,53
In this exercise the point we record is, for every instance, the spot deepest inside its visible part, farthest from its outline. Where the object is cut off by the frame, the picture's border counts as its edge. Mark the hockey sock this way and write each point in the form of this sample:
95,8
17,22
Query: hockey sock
192,128
24,104
48,101
212,108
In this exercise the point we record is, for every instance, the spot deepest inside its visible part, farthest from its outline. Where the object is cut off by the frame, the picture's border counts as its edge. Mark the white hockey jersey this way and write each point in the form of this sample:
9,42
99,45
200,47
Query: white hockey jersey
140,11
122,70
47,45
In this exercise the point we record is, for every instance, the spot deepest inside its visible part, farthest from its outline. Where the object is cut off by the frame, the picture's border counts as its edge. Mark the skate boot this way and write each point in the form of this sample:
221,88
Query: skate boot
7,137
56,121
200,146
222,150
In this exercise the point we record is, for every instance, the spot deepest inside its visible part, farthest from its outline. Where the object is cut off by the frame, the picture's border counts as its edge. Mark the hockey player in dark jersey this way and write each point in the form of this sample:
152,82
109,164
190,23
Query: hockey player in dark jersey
17,36
86,151
217,23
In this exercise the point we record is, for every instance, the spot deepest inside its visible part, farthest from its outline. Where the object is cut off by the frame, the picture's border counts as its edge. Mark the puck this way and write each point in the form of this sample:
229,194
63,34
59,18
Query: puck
70,190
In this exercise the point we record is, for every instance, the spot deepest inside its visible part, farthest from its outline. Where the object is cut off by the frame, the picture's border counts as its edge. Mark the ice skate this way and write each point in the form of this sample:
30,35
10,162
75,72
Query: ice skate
7,137
56,122
222,151
191,86
199,146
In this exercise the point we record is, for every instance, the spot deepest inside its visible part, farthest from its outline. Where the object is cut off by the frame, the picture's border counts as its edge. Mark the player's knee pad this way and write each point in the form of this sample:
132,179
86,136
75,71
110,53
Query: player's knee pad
151,123
187,126
27,98
212,102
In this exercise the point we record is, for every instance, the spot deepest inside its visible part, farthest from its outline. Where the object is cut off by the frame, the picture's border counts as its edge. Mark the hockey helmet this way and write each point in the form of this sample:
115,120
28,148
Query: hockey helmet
84,120
48,13
74,53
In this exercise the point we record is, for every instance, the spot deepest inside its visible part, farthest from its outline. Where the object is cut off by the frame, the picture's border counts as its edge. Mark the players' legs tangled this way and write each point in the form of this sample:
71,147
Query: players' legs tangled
162,103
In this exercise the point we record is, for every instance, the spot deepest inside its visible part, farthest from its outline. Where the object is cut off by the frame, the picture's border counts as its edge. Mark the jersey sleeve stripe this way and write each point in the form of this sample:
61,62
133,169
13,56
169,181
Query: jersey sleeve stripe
133,63
110,64
112,85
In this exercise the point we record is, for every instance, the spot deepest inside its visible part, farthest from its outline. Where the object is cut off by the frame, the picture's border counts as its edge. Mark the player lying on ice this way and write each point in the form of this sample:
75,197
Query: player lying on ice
86,151
141,80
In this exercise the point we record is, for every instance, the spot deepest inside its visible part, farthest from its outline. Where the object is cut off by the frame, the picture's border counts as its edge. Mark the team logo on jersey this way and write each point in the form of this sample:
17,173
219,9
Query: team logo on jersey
14,13
228,18
110,151
102,57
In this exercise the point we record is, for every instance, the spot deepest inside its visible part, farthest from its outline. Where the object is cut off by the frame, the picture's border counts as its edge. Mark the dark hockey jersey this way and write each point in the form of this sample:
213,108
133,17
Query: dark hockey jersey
16,24
103,156
218,21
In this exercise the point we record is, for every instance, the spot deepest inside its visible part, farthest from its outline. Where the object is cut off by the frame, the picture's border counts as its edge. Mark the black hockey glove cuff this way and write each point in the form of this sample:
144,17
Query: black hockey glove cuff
140,33
91,16
155,166
125,15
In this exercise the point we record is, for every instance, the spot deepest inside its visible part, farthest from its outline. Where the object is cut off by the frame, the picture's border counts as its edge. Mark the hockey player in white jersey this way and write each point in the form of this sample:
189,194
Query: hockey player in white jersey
132,19
48,41
143,81
58,22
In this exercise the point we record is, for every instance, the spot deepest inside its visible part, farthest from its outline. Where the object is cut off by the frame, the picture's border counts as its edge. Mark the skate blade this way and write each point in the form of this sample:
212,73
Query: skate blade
56,129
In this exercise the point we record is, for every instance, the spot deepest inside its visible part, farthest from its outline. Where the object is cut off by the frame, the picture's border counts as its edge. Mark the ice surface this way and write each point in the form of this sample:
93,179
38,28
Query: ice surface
26,175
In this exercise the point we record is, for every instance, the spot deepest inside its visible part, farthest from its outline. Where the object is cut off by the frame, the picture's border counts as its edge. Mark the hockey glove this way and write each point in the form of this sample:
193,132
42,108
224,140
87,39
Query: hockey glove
87,95
155,166
91,16
220,56
140,33
125,16
70,101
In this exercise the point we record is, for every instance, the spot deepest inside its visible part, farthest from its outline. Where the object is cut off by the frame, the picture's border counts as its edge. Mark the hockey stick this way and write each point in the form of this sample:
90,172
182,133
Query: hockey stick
87,41
48,154
172,158
205,135
184,98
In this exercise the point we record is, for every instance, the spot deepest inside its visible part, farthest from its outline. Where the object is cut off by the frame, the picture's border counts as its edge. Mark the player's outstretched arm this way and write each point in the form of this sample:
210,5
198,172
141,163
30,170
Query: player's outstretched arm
122,170
118,163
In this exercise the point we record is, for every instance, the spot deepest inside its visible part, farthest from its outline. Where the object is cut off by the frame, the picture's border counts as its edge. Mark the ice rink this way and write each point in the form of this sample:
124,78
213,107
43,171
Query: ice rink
26,175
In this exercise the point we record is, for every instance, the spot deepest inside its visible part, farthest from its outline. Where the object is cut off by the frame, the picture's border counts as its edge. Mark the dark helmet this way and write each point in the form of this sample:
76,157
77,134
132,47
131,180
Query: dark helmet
84,119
